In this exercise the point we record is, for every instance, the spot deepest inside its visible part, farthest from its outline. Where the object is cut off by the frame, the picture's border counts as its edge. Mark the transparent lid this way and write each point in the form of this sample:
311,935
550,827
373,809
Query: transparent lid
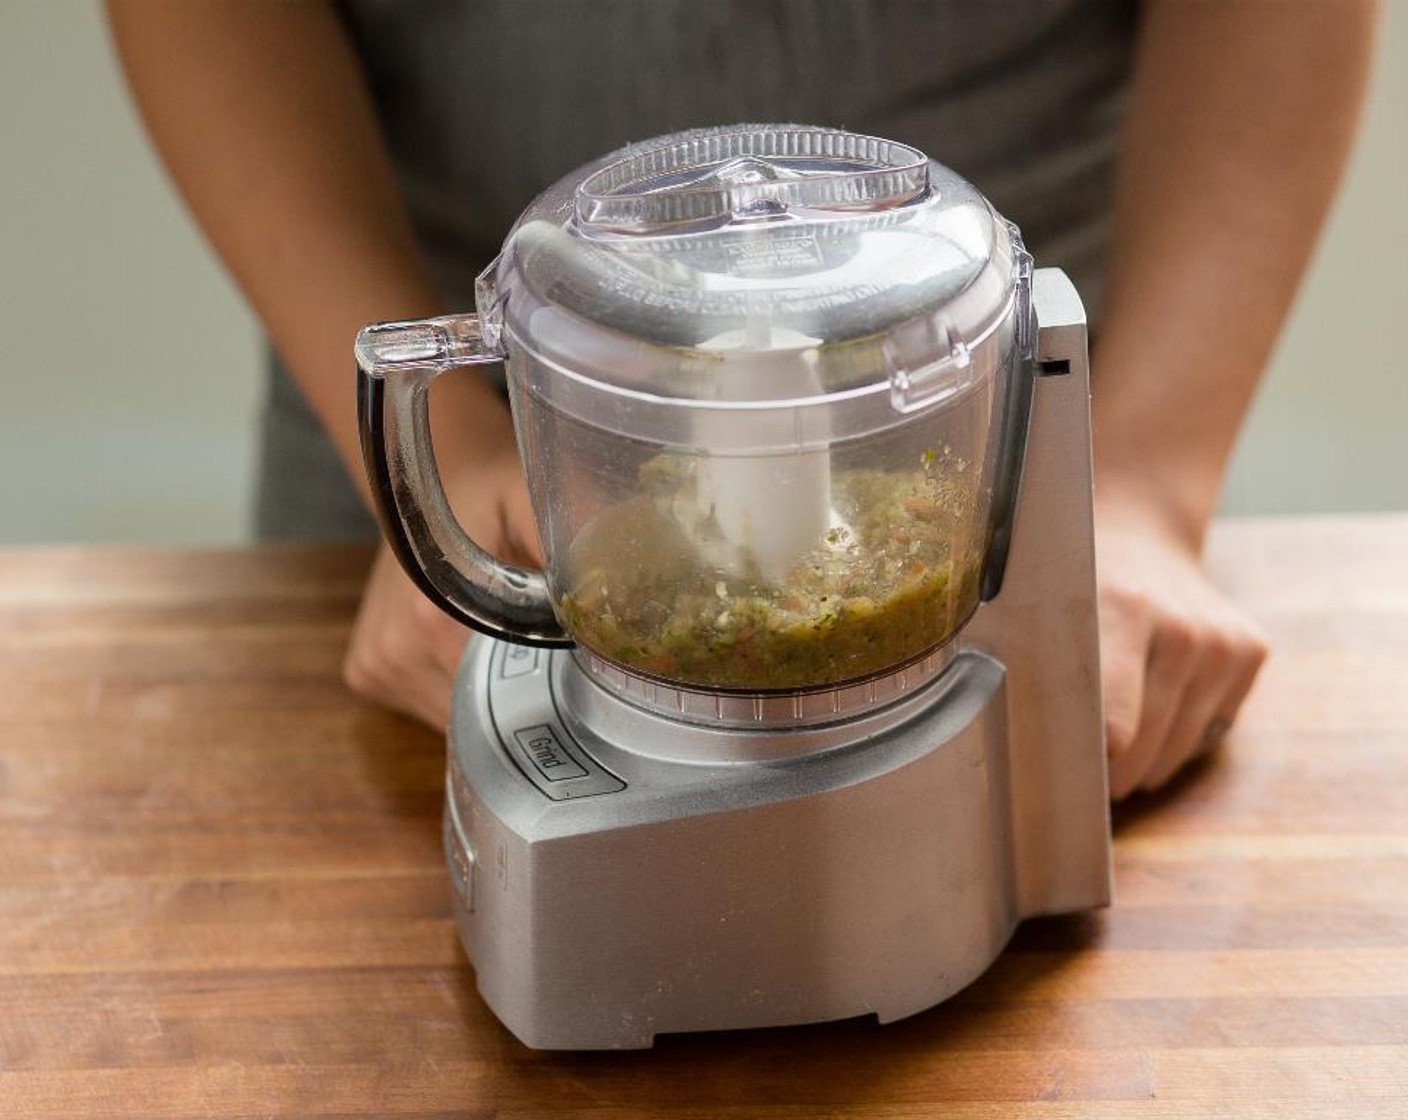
860,258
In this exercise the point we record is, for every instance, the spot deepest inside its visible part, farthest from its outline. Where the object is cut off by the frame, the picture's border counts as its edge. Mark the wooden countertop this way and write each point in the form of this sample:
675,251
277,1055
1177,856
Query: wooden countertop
222,895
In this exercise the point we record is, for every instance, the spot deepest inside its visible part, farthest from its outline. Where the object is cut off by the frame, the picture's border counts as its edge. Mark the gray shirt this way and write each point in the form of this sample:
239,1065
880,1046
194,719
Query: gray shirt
486,102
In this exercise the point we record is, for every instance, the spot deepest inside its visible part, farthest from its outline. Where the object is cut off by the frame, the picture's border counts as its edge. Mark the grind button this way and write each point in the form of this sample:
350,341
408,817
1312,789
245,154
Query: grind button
542,748
559,766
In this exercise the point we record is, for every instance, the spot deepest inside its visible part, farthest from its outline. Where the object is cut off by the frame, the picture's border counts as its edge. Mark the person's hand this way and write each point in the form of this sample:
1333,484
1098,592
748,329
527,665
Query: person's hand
1177,657
404,650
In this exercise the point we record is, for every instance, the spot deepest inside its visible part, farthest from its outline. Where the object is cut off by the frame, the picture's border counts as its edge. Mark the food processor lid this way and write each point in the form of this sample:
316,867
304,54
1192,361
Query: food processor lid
747,173
759,239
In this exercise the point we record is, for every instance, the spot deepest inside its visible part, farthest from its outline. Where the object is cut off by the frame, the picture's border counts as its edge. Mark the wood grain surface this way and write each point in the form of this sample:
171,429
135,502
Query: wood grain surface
222,894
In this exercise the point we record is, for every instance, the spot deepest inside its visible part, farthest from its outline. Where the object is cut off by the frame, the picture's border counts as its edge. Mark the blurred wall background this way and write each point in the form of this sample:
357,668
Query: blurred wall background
131,368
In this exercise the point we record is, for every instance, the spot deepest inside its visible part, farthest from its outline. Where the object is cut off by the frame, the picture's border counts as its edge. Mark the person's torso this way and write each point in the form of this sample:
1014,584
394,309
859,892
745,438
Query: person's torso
486,102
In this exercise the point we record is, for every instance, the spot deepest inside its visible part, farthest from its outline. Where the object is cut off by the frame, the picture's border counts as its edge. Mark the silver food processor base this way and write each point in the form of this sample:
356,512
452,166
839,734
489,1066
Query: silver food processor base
607,895
621,874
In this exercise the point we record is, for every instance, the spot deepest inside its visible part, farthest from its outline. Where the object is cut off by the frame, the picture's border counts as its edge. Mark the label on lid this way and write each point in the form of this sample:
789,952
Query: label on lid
774,255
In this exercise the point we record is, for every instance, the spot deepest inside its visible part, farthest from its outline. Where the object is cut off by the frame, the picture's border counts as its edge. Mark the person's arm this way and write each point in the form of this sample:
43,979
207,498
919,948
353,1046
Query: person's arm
263,117
1239,124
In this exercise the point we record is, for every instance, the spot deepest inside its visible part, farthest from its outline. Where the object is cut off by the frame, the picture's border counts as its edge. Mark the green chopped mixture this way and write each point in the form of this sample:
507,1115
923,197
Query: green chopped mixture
894,578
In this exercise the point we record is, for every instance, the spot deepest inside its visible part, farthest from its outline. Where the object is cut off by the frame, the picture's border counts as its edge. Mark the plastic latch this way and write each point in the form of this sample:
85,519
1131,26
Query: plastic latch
913,389
424,345
1022,265
486,302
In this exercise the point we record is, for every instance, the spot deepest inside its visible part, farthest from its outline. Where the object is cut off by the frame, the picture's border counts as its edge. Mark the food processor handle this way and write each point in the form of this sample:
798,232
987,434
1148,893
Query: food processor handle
396,363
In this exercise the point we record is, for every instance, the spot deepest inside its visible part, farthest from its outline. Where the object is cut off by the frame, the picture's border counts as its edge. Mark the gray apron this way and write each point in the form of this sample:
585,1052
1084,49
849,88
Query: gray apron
486,102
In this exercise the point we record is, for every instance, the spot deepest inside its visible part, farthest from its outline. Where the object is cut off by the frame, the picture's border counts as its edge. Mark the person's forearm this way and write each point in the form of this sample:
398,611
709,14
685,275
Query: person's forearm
263,117
1239,122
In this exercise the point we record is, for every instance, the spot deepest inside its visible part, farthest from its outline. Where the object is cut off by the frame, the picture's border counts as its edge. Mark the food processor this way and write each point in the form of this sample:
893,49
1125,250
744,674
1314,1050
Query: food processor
802,714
